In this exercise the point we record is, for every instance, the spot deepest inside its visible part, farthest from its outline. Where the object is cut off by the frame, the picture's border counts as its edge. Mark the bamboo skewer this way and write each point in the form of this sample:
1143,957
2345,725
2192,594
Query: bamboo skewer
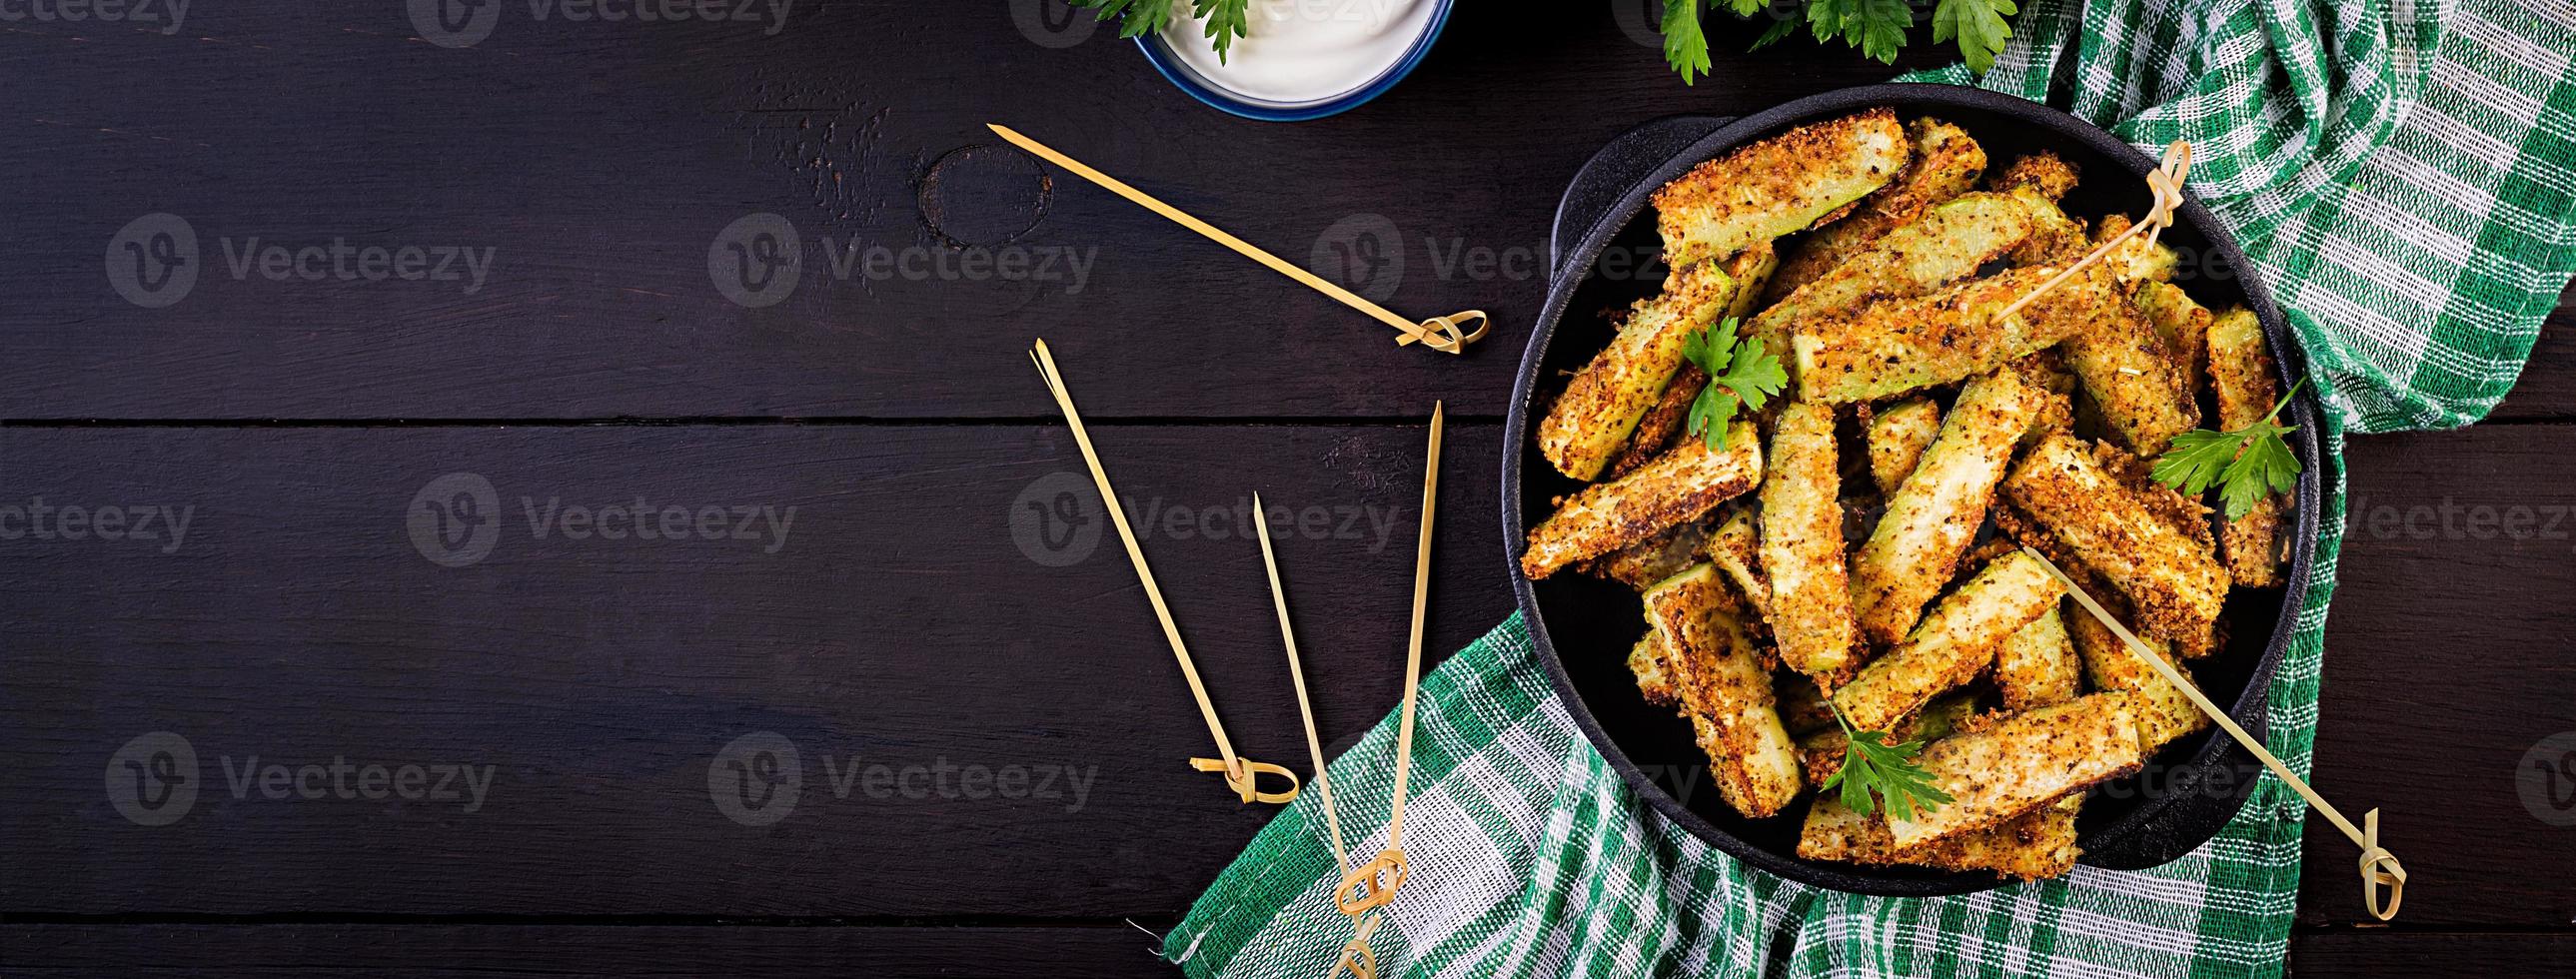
1374,883
1441,333
1241,774
1356,958
2378,866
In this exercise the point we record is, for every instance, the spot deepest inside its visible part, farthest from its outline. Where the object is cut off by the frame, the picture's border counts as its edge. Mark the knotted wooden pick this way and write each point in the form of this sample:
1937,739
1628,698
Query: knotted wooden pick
1242,776
1369,886
2165,182
1239,773
2378,866
1441,333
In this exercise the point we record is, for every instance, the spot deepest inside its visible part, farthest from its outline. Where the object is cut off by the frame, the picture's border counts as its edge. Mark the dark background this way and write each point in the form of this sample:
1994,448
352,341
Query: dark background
902,618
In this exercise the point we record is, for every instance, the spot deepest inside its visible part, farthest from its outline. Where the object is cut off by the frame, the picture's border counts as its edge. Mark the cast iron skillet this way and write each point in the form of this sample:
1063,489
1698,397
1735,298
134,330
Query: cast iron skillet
1584,626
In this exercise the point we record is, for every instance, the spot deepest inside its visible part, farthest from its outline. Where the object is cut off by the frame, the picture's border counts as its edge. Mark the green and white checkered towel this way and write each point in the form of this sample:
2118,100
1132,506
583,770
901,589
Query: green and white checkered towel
2403,174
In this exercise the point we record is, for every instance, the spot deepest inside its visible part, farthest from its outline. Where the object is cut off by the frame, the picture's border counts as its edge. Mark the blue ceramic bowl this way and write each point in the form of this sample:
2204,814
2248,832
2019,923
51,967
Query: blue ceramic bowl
1181,74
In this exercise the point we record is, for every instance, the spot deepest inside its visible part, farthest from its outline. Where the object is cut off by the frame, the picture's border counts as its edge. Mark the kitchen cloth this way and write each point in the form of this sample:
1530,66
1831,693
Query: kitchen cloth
2403,174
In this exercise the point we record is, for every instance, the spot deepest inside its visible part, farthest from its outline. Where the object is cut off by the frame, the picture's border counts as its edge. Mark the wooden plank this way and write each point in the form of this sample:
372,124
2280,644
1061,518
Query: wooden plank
595,684
600,162
2547,388
2397,952
420,951
2446,669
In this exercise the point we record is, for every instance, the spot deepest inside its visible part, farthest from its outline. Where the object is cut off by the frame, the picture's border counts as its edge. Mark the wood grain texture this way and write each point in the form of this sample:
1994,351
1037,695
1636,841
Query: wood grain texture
599,163
425,951
2396,952
901,624
2445,665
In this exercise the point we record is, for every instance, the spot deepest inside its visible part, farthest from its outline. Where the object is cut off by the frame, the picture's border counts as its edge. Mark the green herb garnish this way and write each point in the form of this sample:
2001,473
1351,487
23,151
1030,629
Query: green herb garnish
1226,19
1737,372
1876,27
2247,464
1877,771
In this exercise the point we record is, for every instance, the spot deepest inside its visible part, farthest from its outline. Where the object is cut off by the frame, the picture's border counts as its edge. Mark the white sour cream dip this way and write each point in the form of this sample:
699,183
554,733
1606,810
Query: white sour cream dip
1302,51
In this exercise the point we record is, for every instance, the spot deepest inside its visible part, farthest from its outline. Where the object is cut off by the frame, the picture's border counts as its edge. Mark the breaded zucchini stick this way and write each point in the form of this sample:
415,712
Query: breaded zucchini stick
1947,244
2164,711
2047,371
1738,555
2037,845
1749,268
1656,558
2055,238
2043,172
1802,706
1891,347
1778,185
2038,666
1898,434
1945,164
2240,373
1802,546
1724,692
2133,377
2174,583
1654,672
2134,261
1937,509
1679,485
1602,404
2028,761
2182,324
1953,644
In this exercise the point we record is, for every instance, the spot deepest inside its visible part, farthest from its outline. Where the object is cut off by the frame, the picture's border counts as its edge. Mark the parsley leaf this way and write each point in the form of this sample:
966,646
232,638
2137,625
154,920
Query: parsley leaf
1876,27
2247,464
1737,373
1685,48
1979,27
1876,772
1226,19
1140,16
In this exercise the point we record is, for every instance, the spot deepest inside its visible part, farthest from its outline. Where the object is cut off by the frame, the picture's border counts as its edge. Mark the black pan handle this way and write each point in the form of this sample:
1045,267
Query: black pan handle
1614,169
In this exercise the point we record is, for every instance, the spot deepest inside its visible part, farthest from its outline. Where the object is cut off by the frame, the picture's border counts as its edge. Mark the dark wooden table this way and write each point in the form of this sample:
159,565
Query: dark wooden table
861,588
